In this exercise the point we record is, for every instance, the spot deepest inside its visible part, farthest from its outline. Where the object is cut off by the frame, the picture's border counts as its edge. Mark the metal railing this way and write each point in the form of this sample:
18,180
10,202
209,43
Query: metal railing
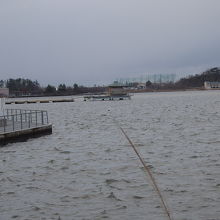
19,119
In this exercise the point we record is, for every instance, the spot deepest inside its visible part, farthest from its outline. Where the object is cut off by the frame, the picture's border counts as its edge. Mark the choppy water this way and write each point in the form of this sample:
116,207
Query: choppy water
87,170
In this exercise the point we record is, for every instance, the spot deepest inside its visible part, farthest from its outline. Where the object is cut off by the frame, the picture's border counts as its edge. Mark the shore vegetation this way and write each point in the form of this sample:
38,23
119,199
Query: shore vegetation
25,87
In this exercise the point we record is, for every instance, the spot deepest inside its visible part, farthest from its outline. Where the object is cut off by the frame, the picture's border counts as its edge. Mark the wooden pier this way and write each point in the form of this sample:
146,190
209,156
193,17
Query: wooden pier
19,125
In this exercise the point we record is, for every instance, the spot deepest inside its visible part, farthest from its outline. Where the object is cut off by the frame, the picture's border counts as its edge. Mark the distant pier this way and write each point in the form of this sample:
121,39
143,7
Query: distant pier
30,101
19,124
106,98
115,92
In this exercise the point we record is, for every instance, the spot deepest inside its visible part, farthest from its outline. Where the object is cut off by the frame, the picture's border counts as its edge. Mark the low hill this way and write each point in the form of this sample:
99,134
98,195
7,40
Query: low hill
198,80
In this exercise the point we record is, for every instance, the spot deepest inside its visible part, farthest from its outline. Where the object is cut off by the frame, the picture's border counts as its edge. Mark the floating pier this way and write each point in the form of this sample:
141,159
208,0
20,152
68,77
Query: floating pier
106,98
115,92
19,125
8,102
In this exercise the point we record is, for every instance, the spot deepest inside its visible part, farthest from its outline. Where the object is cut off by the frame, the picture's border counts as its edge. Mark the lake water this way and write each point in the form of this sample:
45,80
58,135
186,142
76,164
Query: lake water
87,170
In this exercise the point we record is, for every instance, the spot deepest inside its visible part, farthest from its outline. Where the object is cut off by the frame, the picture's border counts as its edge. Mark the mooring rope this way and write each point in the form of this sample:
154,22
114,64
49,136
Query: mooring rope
148,172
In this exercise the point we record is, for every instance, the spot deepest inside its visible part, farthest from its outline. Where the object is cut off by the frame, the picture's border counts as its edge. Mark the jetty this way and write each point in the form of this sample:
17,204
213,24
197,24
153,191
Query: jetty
34,101
19,125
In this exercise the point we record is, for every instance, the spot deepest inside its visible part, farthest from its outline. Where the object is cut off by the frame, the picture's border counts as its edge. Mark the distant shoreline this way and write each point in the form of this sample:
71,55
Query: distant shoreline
129,91
169,90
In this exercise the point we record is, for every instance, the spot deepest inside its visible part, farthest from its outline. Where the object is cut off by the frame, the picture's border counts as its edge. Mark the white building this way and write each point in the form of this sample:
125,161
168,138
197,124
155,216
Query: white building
212,85
141,86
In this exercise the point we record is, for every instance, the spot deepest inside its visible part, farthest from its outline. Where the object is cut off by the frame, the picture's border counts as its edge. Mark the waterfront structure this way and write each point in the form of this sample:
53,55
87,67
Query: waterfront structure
115,92
211,85
34,101
141,86
20,124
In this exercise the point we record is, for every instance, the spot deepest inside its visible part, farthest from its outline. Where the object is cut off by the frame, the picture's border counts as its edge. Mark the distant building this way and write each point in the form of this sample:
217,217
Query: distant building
212,85
4,92
141,86
116,90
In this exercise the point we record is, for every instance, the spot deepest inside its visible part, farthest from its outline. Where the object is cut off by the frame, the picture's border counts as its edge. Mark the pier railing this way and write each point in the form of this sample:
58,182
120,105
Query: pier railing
19,119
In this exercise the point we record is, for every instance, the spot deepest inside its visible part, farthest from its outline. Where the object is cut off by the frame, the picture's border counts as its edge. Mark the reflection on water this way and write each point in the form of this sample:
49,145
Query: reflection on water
87,170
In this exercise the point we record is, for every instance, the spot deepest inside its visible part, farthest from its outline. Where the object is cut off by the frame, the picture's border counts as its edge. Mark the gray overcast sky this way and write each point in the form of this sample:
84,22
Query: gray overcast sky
98,41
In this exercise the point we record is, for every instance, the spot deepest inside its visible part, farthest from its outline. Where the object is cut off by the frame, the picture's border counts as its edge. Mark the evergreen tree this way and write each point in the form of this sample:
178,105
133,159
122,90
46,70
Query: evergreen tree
50,90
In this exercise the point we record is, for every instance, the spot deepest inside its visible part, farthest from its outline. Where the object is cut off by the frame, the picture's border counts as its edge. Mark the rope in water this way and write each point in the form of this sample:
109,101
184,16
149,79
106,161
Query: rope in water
148,171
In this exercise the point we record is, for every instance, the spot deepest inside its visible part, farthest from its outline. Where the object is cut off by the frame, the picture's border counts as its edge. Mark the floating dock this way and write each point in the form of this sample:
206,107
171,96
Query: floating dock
8,102
115,92
106,98
19,125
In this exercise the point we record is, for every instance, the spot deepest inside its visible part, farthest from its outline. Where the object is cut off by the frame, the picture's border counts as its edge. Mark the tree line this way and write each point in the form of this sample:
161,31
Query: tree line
210,75
27,87
189,82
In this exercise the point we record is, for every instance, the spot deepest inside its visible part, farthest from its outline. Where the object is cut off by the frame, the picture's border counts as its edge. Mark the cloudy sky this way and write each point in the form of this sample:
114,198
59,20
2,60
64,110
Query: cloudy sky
98,41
